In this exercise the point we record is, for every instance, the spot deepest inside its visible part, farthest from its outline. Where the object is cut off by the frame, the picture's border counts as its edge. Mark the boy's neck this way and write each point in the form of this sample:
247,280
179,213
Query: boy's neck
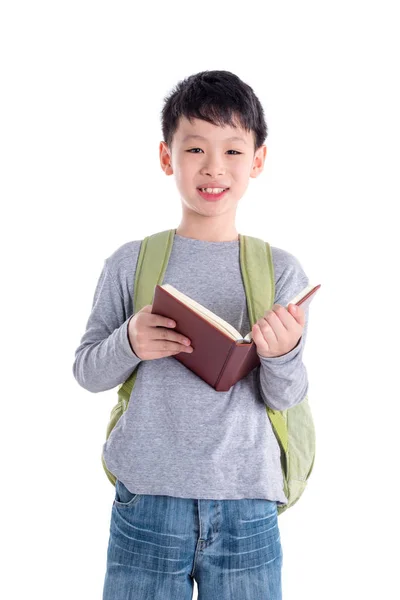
207,235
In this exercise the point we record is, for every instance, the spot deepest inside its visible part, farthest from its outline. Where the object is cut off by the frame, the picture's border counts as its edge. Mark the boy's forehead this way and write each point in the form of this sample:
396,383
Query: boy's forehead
203,130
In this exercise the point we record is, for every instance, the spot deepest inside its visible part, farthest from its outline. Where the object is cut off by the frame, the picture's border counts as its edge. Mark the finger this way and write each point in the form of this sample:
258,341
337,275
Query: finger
274,321
146,309
170,347
162,333
161,353
268,331
156,320
259,340
284,315
298,313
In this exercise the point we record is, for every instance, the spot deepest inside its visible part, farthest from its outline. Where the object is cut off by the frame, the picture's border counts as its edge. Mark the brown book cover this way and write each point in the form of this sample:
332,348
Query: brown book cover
217,358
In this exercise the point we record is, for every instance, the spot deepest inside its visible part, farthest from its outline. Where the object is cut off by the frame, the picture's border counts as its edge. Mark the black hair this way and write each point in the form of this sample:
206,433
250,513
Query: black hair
220,98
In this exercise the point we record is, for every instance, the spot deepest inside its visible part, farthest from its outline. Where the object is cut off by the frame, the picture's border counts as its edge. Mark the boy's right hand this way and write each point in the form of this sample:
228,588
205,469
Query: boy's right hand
151,336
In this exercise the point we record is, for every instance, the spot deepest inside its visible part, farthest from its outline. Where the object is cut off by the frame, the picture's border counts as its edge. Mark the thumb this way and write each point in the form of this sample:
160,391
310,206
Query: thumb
297,312
147,308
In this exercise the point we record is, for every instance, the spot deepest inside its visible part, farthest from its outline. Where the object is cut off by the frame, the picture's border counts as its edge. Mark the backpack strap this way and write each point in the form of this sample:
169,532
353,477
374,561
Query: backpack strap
152,264
259,282
153,259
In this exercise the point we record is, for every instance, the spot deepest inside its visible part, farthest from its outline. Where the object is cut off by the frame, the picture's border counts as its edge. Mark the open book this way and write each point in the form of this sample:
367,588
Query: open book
221,356
303,299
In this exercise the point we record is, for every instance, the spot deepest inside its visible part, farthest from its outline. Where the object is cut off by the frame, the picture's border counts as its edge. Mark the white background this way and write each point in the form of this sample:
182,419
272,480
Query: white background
82,90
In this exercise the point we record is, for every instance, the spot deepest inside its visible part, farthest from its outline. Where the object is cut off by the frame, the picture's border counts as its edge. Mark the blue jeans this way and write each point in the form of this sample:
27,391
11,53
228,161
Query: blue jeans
159,545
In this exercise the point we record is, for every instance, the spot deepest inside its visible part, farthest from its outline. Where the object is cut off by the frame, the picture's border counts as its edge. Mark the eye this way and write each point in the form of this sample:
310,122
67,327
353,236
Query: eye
192,149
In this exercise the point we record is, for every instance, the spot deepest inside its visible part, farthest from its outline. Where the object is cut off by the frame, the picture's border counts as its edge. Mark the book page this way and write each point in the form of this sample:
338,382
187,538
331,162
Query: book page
204,312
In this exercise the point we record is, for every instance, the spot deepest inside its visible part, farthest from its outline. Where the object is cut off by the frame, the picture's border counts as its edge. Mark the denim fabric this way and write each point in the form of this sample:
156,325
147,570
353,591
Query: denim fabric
159,545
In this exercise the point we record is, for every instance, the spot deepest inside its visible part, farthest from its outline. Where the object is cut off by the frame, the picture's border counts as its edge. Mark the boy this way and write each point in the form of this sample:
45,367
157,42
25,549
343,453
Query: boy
198,471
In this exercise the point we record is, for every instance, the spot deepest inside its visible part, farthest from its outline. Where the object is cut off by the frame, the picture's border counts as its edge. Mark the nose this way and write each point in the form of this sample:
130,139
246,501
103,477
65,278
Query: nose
213,167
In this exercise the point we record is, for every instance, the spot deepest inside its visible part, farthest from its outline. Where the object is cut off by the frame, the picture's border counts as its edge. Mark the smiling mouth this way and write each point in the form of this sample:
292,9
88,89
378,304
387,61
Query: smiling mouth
213,196
213,190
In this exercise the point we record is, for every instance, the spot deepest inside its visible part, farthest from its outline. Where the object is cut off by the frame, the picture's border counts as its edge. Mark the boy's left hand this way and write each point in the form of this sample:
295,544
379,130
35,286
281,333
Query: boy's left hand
279,330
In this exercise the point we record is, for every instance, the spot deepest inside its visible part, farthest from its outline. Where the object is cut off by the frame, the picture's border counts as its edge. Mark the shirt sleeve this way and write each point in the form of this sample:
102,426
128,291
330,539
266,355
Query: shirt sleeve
105,358
283,380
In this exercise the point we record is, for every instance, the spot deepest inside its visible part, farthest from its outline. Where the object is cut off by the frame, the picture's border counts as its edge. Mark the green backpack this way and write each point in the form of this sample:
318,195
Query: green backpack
293,427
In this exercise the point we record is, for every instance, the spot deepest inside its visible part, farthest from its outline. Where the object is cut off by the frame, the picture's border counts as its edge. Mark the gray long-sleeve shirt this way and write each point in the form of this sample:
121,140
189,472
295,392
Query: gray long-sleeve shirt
178,436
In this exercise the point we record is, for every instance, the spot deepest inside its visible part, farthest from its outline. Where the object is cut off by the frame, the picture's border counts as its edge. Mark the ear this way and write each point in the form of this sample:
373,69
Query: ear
258,161
165,158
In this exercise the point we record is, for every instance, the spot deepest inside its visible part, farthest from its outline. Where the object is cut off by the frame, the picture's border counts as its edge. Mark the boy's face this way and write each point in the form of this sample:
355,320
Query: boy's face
212,160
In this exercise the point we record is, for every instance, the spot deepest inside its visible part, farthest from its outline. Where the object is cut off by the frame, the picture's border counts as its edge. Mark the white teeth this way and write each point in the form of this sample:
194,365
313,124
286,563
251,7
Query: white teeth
213,190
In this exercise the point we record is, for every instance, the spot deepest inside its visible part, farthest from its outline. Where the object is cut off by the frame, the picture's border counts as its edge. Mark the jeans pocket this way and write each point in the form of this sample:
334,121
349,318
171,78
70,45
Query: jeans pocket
124,497
268,506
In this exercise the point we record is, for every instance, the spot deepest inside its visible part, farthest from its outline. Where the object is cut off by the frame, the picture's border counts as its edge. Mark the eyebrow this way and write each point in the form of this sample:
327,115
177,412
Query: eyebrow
200,137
